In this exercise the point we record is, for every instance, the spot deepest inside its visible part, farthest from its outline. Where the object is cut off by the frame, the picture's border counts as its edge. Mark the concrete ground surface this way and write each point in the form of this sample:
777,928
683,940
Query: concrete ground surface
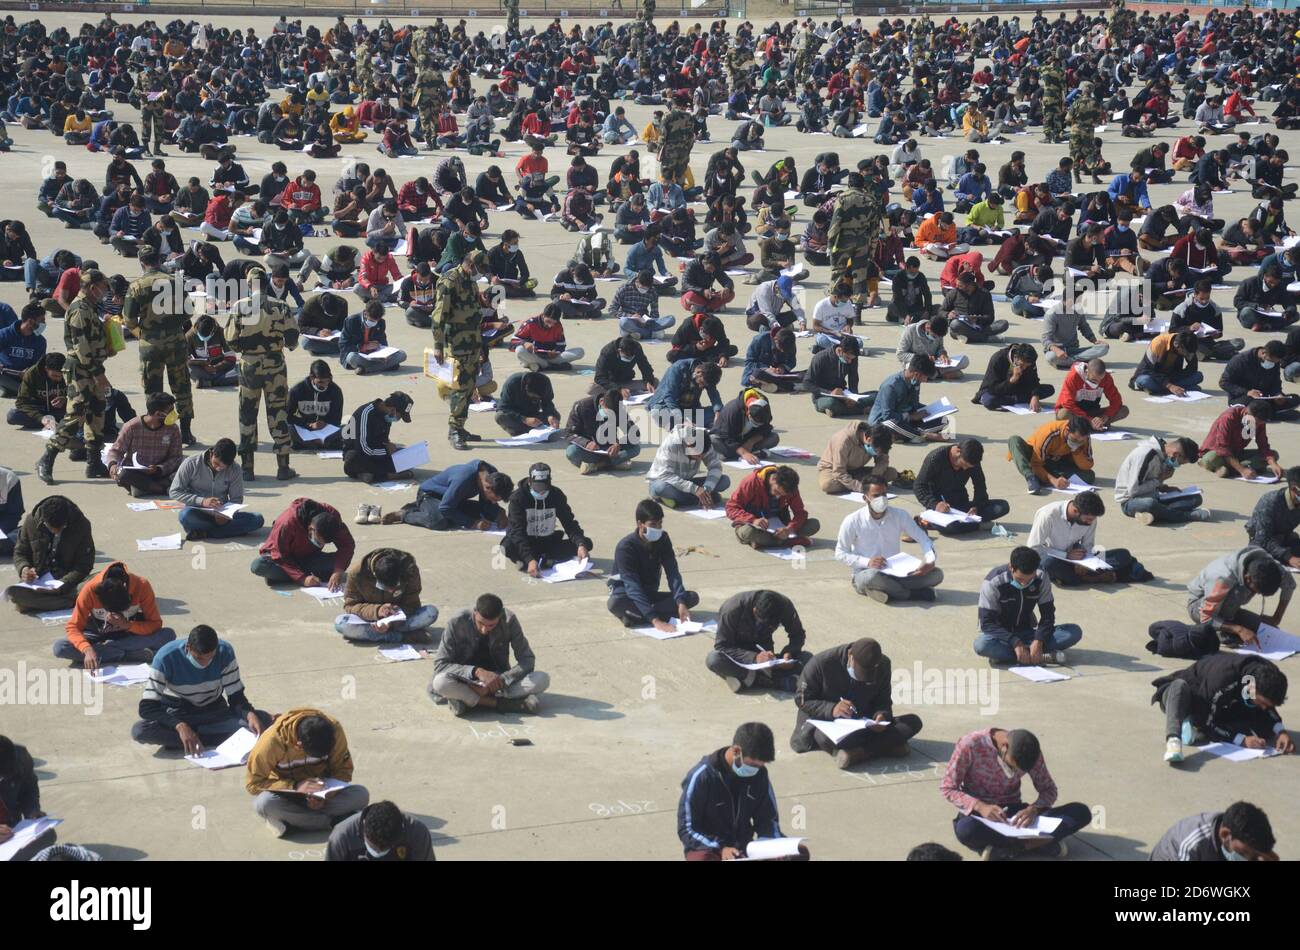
627,716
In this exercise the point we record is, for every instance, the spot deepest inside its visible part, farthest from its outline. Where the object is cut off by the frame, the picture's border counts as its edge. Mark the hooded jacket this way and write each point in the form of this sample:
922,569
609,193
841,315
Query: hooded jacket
70,560
1082,398
278,763
1217,686
289,543
37,392
719,809
362,595
530,523
89,614
1219,591
729,430
1139,475
751,500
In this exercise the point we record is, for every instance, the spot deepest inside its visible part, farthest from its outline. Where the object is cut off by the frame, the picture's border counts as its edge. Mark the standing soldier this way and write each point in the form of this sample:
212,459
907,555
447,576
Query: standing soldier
647,13
739,58
430,94
258,330
512,17
153,103
365,67
854,229
1053,102
457,326
678,137
86,340
155,311
1085,116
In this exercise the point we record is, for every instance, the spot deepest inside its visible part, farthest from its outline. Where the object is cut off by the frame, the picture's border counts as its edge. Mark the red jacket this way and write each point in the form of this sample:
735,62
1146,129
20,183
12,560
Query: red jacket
751,501
409,199
374,274
535,332
289,544
218,212
1185,147
304,196
1229,435
1192,254
1077,396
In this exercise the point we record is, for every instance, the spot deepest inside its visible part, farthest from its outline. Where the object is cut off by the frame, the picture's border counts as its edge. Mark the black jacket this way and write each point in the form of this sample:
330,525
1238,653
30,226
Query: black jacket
20,793
719,809
612,371
1253,293
306,405
728,429
531,522
1244,372
1217,682
825,681
938,481
997,376
825,372
1272,525
740,635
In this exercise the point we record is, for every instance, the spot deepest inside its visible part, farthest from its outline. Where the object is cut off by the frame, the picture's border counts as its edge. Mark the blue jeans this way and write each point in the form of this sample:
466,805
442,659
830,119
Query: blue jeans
243,522
1021,306
662,490
1291,371
977,836
1177,511
647,329
1157,384
361,632
999,650
576,454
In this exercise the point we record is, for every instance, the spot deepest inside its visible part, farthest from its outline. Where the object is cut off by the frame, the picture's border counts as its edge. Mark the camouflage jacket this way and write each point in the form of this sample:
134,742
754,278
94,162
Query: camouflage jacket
457,313
85,338
266,329
150,311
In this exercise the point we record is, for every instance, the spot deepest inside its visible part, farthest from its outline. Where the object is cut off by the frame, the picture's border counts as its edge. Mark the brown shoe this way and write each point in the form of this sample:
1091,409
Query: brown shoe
847,758
392,517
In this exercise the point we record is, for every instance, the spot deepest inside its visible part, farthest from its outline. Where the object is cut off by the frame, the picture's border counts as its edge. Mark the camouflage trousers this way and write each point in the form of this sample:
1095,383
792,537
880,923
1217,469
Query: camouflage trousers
170,358
428,123
1054,120
152,125
1081,145
85,416
464,371
673,163
512,18
262,377
852,266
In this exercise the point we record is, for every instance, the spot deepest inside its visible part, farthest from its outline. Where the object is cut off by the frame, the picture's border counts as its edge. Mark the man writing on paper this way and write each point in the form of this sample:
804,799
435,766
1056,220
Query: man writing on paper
983,779
293,552
727,799
1009,631
380,832
941,486
115,620
1242,833
1140,483
1081,395
1056,452
851,681
195,697
1224,697
149,441
385,583
316,403
1273,523
533,542
472,667
746,624
1070,527
204,484
55,539
1224,450
291,763
1219,594
367,449
767,511
467,495
641,560
870,536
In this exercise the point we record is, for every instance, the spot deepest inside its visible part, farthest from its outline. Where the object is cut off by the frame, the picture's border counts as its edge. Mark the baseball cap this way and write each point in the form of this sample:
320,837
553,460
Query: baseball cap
402,403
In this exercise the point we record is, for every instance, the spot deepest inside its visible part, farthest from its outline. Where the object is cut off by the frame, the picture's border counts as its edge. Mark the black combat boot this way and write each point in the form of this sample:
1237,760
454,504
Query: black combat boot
95,467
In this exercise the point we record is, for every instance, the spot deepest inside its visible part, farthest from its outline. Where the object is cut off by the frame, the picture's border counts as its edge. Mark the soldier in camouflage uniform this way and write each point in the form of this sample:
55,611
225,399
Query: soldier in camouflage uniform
512,16
259,330
86,339
158,319
1085,116
1053,103
430,94
152,123
675,146
365,68
853,233
739,59
457,326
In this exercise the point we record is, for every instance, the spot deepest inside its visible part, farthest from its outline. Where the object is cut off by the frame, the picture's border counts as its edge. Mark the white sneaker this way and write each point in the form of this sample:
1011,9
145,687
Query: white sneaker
1145,518
733,683
1200,514
588,468
1173,750
532,704
375,515
278,827
363,515
1059,657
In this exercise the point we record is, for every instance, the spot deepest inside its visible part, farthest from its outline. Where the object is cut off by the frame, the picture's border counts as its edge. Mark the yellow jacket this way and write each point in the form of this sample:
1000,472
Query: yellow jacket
278,762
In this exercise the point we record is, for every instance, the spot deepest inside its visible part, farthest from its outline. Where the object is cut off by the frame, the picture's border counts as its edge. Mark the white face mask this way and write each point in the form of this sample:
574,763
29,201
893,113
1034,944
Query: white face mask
878,505
376,854
853,673
1230,855
1007,770
653,534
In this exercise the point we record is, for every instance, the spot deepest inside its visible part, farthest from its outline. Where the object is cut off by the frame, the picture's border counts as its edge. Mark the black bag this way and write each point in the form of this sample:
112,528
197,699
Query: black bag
1175,639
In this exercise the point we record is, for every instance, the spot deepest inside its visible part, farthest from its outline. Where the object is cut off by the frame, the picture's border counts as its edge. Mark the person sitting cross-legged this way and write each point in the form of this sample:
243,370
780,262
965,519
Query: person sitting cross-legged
1009,630
472,667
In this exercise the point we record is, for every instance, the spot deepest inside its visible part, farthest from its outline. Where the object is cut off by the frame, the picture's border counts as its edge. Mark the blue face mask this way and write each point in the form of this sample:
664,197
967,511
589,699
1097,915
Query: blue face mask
391,418
1267,364
743,770
1173,463
538,495
1230,855
193,662
1018,585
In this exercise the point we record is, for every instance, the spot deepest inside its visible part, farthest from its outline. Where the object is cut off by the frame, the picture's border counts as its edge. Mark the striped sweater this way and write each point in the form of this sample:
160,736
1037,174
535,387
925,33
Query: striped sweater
178,688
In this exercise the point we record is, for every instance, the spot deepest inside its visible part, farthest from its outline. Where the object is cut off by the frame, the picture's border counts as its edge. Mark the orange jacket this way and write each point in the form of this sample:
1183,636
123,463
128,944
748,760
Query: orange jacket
89,613
932,232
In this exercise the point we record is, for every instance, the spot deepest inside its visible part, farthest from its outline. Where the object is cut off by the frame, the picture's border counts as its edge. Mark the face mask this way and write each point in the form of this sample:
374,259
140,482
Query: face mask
1267,364
370,324
392,419
627,359
1018,585
193,662
315,543
853,673
379,586
1007,770
538,495
1074,446
1121,228
1246,697
878,504
601,415
743,770
653,534
320,388
376,854
870,450
916,383
1230,855
780,236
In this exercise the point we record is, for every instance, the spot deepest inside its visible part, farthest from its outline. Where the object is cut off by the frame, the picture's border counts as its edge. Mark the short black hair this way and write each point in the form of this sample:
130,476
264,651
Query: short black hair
388,569
922,364
1265,575
223,450
647,509
381,824
1078,425
1025,560
972,451
1025,751
1271,683
327,524
755,741
932,851
489,606
1260,409
768,606
202,639
316,733
1249,825
1089,503
786,477
500,484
